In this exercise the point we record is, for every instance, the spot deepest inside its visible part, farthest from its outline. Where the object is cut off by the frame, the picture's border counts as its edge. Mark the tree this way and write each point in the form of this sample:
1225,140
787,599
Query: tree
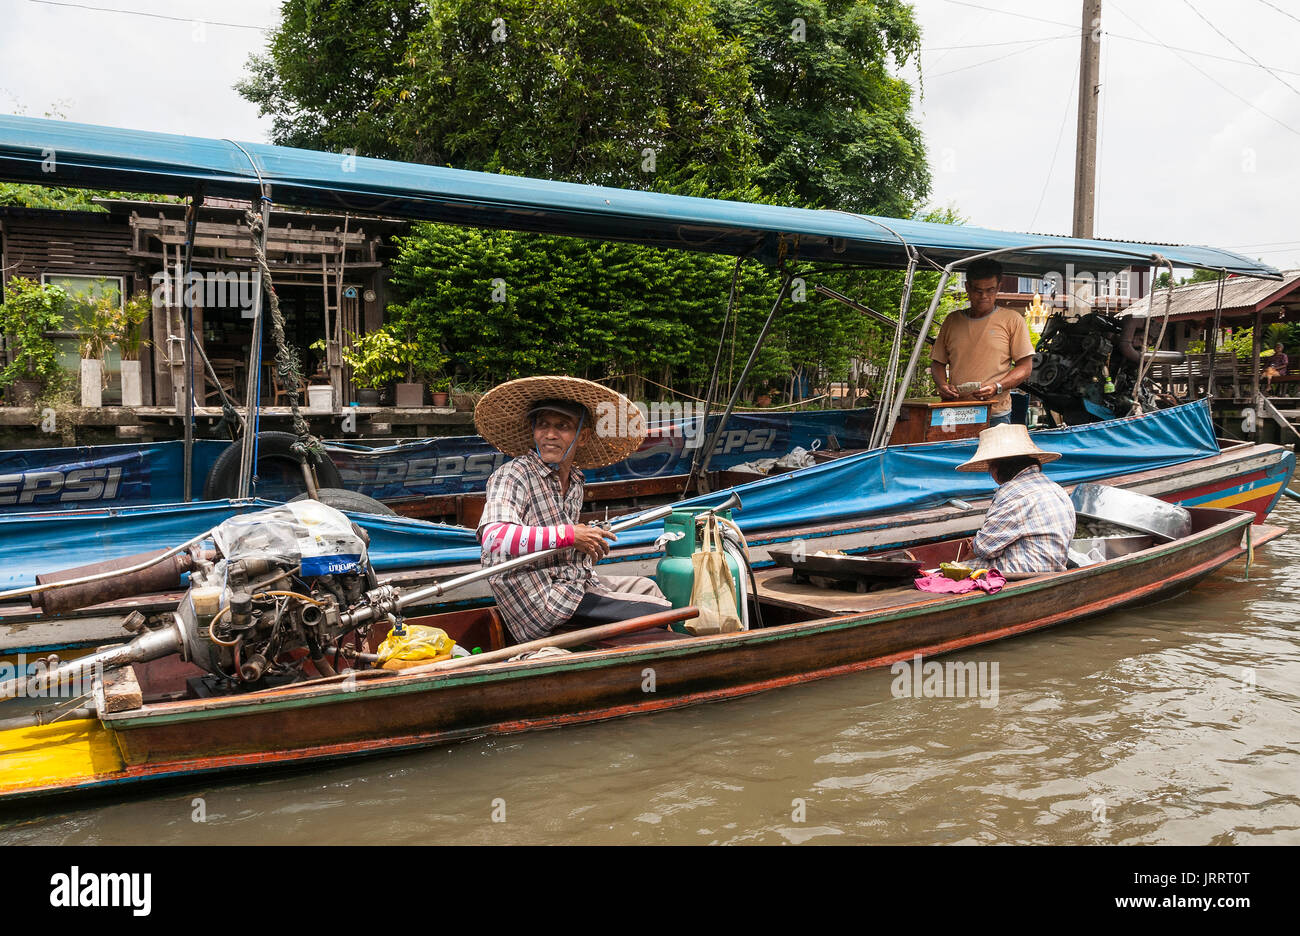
835,128
323,67
580,90
707,97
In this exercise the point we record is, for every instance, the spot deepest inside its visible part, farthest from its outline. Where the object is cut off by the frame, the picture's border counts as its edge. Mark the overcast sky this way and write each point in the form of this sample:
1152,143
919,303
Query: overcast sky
1193,148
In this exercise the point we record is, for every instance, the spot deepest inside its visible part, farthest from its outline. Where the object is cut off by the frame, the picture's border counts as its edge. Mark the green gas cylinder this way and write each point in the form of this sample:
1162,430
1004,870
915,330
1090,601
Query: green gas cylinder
675,574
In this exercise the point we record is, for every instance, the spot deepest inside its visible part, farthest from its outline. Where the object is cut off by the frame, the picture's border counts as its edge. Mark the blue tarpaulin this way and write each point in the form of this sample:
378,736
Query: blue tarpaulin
61,153
895,480
88,476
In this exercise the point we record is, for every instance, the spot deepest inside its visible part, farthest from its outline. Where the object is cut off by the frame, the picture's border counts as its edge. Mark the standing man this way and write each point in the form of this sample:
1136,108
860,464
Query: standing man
983,344
554,427
1031,521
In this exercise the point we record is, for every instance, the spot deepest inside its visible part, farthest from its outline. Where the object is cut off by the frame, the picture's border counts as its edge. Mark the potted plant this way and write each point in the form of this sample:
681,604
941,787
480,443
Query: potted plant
97,323
27,313
441,391
130,342
377,359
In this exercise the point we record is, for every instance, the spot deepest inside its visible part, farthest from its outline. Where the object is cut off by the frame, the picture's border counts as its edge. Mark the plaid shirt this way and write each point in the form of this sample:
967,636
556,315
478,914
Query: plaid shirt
535,598
1029,525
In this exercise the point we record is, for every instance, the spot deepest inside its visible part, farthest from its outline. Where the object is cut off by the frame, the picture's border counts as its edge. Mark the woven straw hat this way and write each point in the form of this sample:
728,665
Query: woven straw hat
617,427
1009,440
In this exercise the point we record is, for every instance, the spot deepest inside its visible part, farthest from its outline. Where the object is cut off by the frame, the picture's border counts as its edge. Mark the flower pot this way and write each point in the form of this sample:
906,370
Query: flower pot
92,382
410,395
440,398
367,396
132,384
320,398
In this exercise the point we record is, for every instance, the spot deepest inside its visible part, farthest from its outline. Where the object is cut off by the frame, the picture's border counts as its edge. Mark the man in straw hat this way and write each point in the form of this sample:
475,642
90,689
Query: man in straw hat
1031,521
556,426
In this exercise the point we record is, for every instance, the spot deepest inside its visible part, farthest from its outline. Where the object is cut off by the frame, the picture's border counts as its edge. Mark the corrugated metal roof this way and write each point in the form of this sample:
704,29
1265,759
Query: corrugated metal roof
1241,296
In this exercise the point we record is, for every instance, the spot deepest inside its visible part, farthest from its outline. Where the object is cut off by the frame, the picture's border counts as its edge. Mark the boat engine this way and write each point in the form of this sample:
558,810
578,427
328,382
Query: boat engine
1081,372
276,593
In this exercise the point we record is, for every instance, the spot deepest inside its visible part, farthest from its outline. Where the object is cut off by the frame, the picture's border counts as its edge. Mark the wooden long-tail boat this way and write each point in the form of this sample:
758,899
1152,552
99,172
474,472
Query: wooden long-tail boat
1243,476
152,726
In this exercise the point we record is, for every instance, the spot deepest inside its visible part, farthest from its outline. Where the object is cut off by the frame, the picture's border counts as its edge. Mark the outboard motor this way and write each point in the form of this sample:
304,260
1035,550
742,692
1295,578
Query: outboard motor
282,581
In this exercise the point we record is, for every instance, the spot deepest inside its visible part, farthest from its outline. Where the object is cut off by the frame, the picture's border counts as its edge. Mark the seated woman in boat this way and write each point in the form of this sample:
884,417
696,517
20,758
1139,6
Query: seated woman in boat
554,427
1031,521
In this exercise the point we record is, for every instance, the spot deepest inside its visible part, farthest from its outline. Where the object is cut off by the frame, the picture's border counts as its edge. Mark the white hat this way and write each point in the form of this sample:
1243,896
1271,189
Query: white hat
1009,440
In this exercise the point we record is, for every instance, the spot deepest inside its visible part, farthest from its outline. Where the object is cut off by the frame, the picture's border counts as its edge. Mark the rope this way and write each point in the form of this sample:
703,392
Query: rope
287,364
649,381
1143,363
1214,336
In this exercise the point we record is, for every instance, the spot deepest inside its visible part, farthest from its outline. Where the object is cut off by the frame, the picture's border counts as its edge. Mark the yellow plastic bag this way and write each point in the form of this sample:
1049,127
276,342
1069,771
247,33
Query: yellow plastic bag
419,645
714,591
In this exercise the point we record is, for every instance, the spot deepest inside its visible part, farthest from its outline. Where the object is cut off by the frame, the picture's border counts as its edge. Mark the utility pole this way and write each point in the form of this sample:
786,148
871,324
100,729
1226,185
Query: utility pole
1085,159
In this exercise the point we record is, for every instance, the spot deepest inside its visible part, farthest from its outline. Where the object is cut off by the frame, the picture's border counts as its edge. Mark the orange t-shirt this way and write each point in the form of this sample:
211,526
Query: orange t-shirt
984,349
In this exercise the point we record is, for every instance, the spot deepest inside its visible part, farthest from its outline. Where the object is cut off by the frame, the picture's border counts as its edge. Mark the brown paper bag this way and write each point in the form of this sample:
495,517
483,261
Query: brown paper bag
713,590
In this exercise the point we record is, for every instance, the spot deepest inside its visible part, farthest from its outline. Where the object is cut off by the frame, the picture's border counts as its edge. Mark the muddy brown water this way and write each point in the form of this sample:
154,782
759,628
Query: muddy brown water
1177,722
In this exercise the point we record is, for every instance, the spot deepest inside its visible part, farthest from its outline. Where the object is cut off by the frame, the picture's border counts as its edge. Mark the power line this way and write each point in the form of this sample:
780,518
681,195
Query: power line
1266,244
1222,58
1249,104
990,45
161,16
1280,10
989,9
1239,48
1211,55
999,58
1060,134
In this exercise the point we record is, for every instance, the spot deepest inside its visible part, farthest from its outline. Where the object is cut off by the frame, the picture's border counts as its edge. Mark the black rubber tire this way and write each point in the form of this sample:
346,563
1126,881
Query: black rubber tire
343,499
223,479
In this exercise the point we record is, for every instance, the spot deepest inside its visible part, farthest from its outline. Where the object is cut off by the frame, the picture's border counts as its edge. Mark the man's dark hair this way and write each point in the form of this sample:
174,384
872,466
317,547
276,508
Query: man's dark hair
983,269
1004,469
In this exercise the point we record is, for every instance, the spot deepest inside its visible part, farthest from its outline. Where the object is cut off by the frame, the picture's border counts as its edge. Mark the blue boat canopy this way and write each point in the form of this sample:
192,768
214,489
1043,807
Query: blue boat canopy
54,152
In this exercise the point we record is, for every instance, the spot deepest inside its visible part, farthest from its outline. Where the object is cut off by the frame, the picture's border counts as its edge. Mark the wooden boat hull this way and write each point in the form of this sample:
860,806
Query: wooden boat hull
330,719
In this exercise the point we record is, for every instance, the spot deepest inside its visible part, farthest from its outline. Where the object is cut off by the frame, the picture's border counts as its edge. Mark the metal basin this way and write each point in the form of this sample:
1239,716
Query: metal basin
1112,547
1132,510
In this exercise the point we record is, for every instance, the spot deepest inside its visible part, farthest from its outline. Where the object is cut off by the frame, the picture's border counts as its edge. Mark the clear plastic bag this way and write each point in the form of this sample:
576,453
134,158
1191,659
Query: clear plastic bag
321,538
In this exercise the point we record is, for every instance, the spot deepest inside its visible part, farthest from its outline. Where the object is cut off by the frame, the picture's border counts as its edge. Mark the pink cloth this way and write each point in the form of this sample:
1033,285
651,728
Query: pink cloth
991,582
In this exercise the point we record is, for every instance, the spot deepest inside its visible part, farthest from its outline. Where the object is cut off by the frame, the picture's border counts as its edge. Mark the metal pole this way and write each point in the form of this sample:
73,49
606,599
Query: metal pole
740,381
246,458
438,589
713,380
1211,345
889,386
897,406
1085,159
187,386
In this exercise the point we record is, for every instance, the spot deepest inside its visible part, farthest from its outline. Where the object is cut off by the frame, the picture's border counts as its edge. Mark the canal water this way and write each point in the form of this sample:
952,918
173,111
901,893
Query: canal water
1177,723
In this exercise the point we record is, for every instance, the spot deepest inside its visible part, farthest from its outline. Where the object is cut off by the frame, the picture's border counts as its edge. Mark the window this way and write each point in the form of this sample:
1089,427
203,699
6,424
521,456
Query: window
83,289
1115,285
1032,284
